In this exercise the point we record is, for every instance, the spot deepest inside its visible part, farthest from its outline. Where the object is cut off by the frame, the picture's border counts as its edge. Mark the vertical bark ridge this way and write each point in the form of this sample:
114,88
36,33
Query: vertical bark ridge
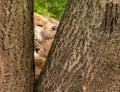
82,57
16,47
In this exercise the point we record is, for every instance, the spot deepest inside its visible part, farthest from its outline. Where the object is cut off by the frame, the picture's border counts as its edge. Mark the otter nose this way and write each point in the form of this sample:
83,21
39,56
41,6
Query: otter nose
37,50
54,28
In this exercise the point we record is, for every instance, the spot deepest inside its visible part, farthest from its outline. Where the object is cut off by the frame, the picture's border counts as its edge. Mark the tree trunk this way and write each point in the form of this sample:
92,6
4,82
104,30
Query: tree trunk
85,55
16,46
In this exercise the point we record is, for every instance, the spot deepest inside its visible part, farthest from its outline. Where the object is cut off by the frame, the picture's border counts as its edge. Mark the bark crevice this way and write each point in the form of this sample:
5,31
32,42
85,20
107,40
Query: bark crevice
111,19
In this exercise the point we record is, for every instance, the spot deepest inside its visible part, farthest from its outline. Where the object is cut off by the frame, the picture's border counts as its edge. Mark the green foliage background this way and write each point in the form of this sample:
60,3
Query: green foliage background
53,8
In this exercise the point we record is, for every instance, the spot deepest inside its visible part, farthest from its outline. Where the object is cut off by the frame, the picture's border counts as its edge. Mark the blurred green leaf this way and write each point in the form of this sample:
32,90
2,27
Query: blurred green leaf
53,8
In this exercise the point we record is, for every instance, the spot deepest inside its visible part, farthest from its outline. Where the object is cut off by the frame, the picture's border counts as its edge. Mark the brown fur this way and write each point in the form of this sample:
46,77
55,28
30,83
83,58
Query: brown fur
46,23
42,47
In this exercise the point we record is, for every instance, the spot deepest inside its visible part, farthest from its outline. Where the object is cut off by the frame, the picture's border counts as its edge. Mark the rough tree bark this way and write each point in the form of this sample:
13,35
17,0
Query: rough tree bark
85,55
16,46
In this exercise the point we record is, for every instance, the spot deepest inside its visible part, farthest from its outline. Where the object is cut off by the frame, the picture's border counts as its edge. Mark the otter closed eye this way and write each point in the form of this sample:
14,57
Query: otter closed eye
39,25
